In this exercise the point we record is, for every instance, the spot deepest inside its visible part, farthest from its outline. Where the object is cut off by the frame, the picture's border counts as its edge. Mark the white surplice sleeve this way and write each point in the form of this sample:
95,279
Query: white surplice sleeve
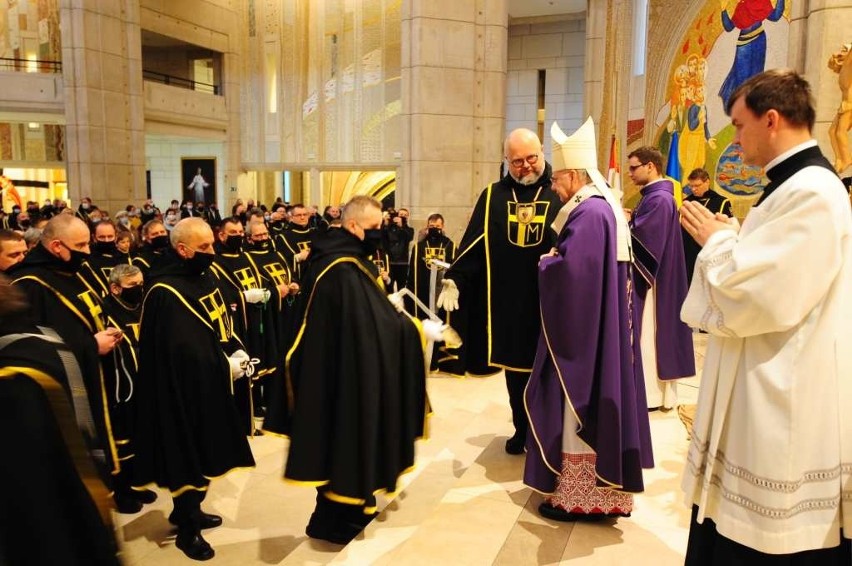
770,276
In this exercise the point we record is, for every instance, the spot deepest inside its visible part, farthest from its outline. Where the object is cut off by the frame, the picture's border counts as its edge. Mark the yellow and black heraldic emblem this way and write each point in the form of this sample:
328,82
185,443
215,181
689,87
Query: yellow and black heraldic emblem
278,273
303,246
439,253
527,222
94,305
217,312
380,263
246,278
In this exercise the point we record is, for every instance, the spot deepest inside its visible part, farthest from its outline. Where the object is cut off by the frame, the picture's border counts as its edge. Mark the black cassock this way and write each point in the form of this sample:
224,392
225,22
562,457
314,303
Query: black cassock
97,268
186,428
358,372
292,241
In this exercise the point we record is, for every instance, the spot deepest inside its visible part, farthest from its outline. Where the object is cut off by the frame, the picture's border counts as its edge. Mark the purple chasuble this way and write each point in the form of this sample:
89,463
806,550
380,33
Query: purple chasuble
586,357
659,263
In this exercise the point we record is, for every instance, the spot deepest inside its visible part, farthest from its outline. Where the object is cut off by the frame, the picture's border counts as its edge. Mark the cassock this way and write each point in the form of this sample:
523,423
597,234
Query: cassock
659,282
440,248
121,368
62,301
99,265
55,508
239,273
274,271
293,241
715,203
357,369
150,260
585,399
187,429
770,461
496,274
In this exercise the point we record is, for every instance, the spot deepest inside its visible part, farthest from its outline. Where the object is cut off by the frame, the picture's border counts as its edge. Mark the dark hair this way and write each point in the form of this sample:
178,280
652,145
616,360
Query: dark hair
648,154
10,236
435,217
698,175
782,90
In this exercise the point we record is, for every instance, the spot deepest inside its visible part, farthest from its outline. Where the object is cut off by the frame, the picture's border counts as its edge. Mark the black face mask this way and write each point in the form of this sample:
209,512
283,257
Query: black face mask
133,295
233,243
104,247
159,242
434,233
199,263
77,258
260,246
372,241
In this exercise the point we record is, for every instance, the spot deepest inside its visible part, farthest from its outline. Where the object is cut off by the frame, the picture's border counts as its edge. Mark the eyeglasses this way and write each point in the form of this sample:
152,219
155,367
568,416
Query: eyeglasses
635,167
531,159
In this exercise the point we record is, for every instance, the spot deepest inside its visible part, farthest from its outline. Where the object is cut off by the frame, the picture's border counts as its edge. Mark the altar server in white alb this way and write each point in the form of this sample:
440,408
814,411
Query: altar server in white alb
769,470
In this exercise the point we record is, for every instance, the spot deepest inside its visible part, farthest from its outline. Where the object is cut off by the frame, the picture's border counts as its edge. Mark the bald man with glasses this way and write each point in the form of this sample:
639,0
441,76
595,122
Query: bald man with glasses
494,279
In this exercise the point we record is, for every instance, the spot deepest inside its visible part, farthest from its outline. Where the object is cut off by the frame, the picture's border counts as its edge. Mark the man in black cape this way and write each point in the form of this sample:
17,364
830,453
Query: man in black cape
495,276
155,244
358,371
187,430
699,183
55,508
60,299
434,246
103,258
295,241
274,274
258,304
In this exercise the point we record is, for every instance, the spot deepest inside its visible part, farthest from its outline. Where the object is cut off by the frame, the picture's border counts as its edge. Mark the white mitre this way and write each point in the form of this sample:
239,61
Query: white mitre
579,151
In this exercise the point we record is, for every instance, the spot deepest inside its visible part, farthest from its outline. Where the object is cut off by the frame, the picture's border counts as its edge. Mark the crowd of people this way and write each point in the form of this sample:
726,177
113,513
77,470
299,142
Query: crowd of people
149,347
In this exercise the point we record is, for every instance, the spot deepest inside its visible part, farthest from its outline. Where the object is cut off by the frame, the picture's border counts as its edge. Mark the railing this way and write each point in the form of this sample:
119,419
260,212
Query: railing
180,82
30,65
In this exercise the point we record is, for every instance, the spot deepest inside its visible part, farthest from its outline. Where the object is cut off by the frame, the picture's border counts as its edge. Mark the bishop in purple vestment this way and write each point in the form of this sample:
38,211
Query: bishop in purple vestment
585,399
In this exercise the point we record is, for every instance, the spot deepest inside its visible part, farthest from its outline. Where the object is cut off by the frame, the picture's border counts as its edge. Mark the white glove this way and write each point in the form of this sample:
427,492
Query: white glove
433,330
449,297
256,295
238,361
397,302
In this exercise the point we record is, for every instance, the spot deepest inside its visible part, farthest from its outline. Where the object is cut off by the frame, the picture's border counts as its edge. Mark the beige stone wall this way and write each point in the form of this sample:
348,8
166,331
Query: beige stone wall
453,109
557,47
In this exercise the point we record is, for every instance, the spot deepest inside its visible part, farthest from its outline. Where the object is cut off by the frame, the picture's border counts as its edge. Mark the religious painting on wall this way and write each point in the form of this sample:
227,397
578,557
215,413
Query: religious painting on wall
198,176
726,43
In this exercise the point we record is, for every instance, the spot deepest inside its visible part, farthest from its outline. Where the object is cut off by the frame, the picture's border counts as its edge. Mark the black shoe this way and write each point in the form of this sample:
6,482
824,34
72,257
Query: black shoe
144,495
210,521
194,546
206,520
515,445
127,503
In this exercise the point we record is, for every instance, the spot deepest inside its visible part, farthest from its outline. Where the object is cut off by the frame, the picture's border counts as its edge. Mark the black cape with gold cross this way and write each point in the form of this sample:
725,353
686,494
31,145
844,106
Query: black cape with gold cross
496,272
440,248
292,241
186,425
62,301
359,376
55,509
97,268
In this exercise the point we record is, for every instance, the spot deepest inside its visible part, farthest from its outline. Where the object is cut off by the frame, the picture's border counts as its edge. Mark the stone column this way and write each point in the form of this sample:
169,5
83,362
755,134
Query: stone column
818,29
104,108
453,105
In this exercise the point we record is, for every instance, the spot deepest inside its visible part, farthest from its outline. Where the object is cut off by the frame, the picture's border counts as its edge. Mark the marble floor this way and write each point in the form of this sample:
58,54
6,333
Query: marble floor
463,504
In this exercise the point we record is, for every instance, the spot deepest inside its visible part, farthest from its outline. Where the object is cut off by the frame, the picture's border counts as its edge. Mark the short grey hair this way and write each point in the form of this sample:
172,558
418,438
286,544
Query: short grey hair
355,208
121,272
